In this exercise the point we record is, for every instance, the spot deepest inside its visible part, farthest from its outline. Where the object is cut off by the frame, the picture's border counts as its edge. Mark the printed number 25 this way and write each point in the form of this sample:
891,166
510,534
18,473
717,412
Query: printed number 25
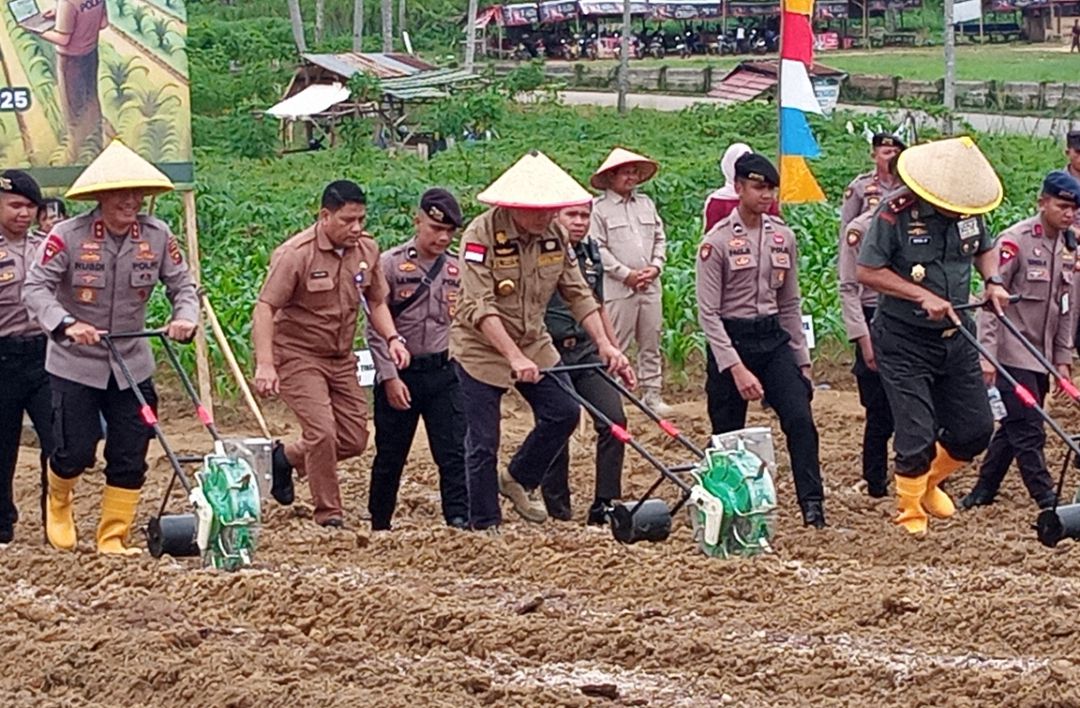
14,99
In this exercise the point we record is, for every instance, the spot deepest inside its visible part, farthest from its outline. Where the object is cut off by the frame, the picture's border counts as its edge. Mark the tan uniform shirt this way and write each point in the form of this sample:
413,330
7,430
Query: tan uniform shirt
104,280
1042,270
512,276
316,293
631,236
426,323
854,296
746,274
15,256
864,193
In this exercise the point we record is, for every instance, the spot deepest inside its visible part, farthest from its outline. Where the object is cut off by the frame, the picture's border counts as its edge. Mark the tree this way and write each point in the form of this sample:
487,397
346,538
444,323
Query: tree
358,26
297,26
388,25
401,15
320,20
470,36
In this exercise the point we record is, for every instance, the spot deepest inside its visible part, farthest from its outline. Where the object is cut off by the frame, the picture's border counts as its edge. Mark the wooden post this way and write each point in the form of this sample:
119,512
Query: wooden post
202,360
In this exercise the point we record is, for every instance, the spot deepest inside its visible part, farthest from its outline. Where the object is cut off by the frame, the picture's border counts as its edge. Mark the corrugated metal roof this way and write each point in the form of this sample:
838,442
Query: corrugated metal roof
384,66
742,85
427,84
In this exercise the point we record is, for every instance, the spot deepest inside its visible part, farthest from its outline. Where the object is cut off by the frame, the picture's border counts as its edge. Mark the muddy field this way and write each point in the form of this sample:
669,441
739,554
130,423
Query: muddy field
975,613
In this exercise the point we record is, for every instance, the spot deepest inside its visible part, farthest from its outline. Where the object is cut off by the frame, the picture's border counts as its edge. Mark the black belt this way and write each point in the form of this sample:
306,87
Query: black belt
32,344
897,324
755,327
429,362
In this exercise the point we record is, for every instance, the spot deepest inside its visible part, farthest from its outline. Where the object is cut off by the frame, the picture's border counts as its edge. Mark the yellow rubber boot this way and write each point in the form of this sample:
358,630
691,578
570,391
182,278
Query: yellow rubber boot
909,495
117,514
59,518
935,501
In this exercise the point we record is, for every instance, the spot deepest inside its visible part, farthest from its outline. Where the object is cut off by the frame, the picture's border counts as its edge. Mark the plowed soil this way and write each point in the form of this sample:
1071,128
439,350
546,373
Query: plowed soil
974,613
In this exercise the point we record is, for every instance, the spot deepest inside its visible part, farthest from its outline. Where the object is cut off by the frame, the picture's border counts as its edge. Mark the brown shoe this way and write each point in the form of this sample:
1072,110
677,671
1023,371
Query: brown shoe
529,506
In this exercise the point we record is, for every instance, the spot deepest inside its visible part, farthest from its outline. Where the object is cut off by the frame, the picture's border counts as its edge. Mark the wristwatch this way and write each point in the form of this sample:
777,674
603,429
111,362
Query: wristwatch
399,338
64,324
995,280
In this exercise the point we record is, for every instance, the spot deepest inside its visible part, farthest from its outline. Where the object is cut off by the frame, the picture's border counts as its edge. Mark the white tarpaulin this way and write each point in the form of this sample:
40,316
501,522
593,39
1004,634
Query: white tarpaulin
967,10
314,99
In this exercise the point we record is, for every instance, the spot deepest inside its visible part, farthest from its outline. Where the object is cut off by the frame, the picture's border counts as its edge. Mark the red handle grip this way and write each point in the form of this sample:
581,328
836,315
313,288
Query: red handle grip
668,427
204,416
1025,396
147,414
1069,387
620,434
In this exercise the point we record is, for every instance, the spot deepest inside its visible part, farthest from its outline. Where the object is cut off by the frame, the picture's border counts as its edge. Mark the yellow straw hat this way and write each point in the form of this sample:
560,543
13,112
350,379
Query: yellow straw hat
118,167
952,174
534,182
601,179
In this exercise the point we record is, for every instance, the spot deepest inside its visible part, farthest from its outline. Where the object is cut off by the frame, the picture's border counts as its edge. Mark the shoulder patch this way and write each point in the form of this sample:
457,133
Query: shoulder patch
1009,250
705,251
475,252
174,251
848,192
53,245
853,237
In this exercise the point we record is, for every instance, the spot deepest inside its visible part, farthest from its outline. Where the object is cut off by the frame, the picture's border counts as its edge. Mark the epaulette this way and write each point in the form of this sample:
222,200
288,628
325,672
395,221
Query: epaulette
901,202
776,219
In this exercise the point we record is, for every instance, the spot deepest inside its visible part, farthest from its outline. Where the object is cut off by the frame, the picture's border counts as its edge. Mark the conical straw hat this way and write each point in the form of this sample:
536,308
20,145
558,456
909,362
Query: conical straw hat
602,177
952,174
118,167
534,182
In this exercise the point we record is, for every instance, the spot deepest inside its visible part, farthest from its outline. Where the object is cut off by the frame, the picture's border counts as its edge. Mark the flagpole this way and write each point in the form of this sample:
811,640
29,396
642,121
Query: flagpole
780,107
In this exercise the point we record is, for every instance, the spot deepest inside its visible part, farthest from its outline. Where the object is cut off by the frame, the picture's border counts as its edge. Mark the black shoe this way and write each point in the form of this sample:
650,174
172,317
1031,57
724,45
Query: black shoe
977,497
558,510
813,514
877,492
282,488
1046,502
334,523
7,534
458,522
598,513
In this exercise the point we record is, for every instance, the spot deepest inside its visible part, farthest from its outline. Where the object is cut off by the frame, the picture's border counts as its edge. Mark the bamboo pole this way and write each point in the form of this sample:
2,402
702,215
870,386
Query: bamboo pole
234,367
780,110
202,355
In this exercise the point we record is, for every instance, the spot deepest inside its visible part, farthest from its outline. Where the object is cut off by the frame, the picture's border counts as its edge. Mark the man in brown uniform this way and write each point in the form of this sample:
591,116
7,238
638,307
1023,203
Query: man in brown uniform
633,245
1038,262
304,328
514,257
423,280
867,190
95,274
749,307
22,344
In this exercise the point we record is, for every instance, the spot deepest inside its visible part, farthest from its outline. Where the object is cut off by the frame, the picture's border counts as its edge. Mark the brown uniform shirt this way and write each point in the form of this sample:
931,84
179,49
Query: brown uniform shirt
865,192
103,280
316,293
631,236
745,274
1042,270
426,323
512,276
854,296
15,257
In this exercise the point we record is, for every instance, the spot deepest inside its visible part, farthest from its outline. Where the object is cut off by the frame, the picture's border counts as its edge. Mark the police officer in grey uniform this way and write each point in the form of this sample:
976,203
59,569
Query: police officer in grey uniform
576,347
22,344
918,254
94,274
423,279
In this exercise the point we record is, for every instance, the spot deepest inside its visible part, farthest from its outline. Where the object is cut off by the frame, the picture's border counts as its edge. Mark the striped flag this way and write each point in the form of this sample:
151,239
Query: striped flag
797,143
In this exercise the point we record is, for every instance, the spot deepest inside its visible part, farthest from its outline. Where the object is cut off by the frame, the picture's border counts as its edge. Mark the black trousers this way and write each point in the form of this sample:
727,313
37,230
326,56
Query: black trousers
1020,436
770,358
935,391
556,415
77,410
24,387
609,451
878,427
436,397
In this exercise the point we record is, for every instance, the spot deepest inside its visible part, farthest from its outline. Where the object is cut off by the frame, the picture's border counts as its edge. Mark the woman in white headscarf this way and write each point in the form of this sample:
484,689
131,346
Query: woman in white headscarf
724,200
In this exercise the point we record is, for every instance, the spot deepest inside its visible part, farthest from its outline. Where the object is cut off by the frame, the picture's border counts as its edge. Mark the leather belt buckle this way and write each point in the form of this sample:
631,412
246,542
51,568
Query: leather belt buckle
946,333
569,343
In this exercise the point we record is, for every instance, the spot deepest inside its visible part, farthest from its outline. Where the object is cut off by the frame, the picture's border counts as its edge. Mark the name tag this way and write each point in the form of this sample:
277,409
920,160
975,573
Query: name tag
1065,303
968,227
919,240
365,368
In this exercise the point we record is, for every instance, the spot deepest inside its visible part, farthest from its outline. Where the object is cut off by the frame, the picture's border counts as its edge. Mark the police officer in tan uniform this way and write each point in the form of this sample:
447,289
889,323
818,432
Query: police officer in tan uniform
423,278
513,259
94,274
630,233
304,328
858,304
22,344
868,189
749,307
1038,262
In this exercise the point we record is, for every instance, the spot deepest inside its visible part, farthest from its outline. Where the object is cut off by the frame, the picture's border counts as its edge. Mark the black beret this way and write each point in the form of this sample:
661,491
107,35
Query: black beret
1072,139
887,140
441,206
1062,185
18,182
757,167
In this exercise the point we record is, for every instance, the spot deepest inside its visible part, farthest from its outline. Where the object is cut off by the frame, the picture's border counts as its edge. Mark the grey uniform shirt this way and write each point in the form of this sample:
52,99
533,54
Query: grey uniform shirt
15,256
105,280
854,296
426,323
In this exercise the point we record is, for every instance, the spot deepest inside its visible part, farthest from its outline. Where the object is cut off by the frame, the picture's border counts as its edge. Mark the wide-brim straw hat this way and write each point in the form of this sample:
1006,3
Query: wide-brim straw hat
601,179
952,174
118,167
534,182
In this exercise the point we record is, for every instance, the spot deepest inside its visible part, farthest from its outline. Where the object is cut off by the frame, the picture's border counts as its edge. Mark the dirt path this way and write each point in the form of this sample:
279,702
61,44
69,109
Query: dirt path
976,613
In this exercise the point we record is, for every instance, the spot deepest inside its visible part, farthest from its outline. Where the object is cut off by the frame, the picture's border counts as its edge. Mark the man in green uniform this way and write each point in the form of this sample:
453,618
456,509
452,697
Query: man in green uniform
918,254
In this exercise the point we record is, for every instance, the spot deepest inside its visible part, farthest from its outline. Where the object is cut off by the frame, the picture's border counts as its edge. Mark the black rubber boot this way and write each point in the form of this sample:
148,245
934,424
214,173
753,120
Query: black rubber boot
282,488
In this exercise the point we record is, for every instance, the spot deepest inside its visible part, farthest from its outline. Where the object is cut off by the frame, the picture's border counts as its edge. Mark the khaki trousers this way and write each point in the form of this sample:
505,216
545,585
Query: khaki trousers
332,409
640,318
